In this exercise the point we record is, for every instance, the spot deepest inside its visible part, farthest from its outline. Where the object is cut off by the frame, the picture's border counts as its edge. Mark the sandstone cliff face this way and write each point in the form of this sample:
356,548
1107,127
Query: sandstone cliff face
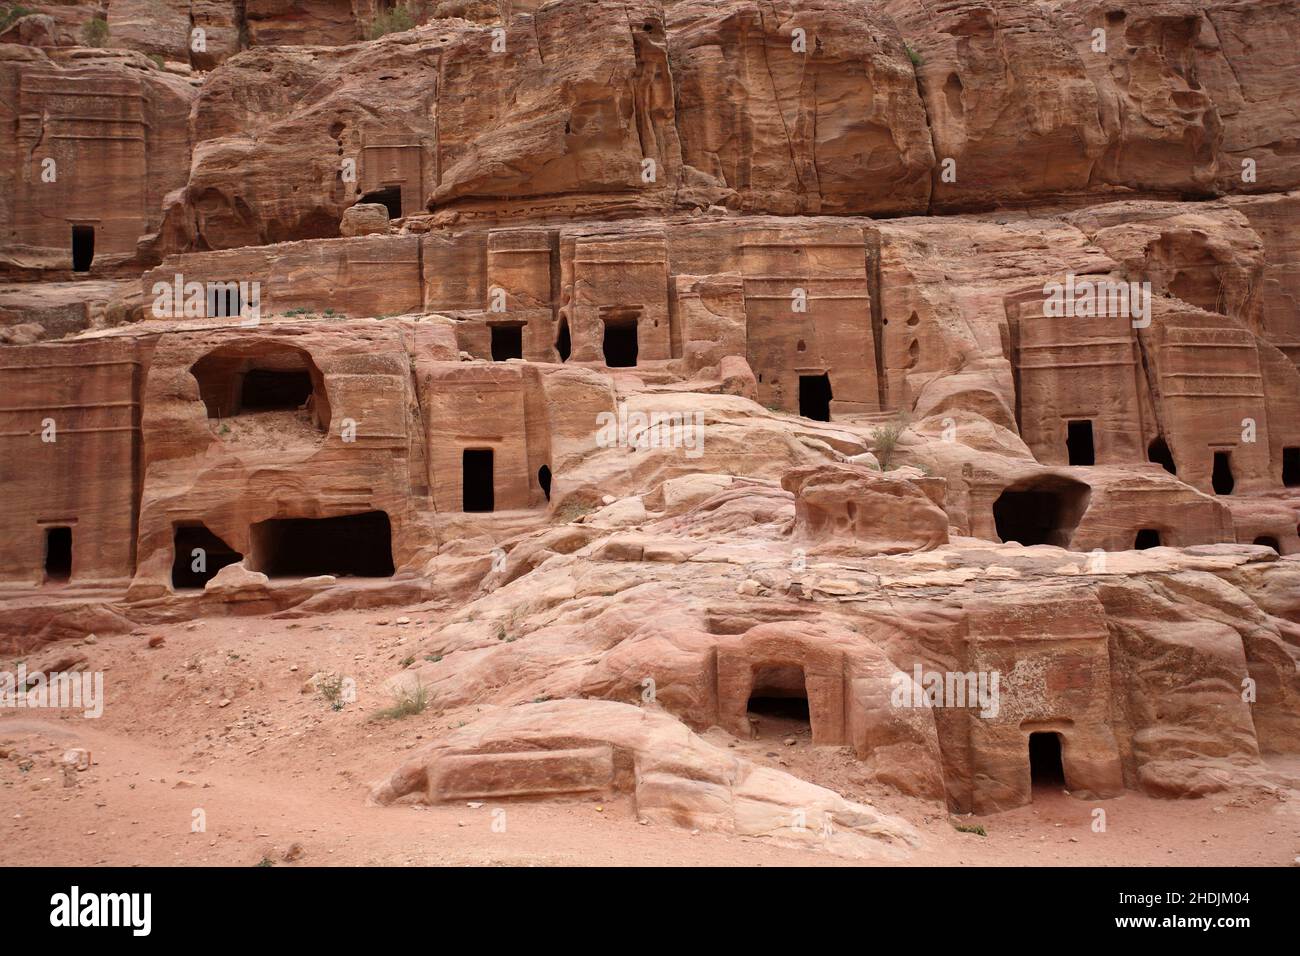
99,139
1011,108
823,108
823,120
682,355
808,108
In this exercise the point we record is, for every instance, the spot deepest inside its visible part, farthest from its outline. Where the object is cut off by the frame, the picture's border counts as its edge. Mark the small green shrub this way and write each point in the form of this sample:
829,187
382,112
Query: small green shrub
912,55
885,440
407,703
970,828
10,14
331,688
396,20
95,32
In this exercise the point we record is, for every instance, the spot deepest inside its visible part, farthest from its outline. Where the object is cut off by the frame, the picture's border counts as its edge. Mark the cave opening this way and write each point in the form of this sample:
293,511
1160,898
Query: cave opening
477,480
1221,479
1146,538
390,197
620,343
1158,452
507,342
563,344
815,396
267,389
261,377
1291,467
1269,541
1046,769
544,481
83,248
1078,442
778,701
1040,510
355,545
224,301
58,554
197,556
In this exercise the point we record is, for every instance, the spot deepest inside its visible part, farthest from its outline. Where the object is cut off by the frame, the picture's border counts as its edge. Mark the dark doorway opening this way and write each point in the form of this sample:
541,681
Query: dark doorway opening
1040,511
620,346
815,397
1269,541
544,481
83,248
563,344
224,301
1158,452
778,701
507,342
359,545
1146,538
389,197
265,389
477,480
1222,479
1045,766
58,554
198,555
1078,442
1291,467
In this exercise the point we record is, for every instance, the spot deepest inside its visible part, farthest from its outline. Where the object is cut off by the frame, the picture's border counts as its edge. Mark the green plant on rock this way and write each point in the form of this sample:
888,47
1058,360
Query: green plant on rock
884,440
396,20
407,703
95,32
9,14
331,688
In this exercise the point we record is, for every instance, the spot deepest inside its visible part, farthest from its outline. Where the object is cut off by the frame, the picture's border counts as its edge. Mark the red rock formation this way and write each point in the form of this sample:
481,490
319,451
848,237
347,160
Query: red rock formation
920,380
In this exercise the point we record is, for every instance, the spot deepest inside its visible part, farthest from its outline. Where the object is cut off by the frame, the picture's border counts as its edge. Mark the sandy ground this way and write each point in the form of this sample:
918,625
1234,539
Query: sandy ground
213,727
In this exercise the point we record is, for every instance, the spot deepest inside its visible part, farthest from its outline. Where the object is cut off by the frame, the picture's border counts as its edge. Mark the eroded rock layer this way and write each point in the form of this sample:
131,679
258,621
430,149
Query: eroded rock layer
918,380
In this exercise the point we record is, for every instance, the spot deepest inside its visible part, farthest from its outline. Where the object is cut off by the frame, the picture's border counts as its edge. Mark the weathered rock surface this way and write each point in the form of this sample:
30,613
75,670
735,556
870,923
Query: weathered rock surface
902,387
879,513
100,137
595,748
365,219
817,106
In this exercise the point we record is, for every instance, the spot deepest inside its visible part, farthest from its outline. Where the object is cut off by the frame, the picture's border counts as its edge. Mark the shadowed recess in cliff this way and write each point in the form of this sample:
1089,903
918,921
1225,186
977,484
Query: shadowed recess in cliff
261,376
1044,509
358,545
